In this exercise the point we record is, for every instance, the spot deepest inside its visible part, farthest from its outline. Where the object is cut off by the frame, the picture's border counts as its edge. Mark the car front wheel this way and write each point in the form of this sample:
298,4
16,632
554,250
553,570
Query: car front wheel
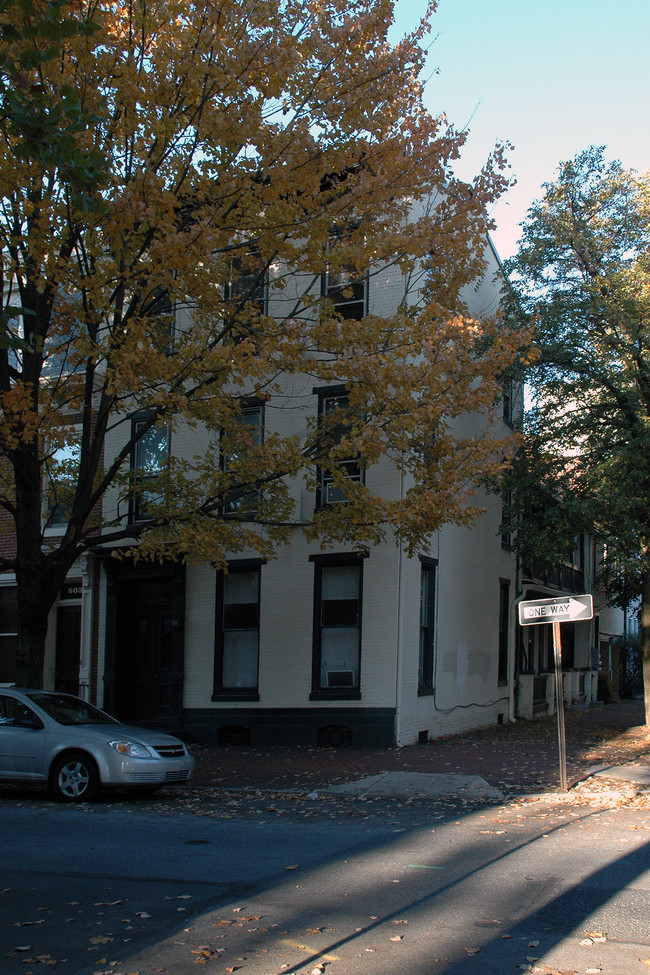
74,778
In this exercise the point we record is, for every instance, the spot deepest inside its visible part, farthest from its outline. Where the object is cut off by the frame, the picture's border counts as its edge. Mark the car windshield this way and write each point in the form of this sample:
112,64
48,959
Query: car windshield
70,710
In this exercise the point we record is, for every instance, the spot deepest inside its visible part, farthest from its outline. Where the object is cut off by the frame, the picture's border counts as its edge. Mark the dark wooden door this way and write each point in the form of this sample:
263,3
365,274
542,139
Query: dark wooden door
68,649
148,677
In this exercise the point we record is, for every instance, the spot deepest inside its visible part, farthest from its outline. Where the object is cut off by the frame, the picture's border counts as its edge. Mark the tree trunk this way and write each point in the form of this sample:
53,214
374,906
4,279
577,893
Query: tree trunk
38,583
39,574
645,639
33,616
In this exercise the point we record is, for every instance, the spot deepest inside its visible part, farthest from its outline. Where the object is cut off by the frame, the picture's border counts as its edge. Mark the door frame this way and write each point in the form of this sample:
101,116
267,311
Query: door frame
121,575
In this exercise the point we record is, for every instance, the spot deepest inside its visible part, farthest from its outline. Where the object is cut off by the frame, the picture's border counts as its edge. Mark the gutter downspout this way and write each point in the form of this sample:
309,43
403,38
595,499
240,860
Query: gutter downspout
400,631
514,684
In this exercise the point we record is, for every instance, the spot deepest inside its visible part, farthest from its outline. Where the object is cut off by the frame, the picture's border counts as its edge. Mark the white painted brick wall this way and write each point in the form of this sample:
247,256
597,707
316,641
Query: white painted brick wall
470,564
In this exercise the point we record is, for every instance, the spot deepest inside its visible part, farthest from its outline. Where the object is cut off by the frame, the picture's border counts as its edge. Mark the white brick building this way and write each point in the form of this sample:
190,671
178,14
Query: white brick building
318,646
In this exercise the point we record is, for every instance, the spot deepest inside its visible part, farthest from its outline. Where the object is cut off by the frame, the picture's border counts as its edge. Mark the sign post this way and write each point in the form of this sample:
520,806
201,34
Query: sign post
559,703
554,611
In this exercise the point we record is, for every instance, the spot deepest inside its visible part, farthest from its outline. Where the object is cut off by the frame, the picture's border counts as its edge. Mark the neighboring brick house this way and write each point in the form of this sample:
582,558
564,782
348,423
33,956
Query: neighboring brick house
317,646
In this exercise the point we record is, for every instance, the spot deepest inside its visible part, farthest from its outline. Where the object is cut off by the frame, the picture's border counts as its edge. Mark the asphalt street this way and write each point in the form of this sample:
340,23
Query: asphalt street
351,887
76,880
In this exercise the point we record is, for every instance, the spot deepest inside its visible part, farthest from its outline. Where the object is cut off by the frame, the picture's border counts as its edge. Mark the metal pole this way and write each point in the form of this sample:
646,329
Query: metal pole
559,701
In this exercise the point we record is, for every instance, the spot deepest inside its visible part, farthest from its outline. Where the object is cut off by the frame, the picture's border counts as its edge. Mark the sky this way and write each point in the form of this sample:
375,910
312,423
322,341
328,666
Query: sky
551,77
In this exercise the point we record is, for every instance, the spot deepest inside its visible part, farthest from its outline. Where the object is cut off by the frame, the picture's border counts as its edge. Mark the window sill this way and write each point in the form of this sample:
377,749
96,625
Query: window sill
336,694
236,695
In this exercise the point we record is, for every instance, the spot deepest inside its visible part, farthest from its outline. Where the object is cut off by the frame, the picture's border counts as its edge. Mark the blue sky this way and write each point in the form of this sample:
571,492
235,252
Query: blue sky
550,76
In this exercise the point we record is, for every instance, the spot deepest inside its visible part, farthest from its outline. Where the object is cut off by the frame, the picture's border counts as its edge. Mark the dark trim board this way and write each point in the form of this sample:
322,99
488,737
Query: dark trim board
327,726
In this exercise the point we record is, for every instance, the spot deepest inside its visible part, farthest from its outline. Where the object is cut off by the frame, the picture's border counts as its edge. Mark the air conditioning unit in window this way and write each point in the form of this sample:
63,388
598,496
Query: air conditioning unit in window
341,678
333,494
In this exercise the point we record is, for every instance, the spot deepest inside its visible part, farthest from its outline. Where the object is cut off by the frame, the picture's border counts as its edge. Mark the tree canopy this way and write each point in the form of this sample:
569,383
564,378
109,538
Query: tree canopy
582,276
163,166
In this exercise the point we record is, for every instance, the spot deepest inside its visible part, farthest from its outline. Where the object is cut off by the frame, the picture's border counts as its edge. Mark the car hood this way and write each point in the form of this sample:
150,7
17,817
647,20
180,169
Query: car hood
110,732
147,735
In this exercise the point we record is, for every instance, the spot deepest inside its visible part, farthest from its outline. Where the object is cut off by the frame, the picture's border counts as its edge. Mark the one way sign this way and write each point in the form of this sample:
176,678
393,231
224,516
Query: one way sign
561,609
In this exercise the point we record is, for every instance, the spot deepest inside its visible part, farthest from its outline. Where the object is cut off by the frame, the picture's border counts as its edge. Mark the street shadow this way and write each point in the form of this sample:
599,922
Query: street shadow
504,947
383,878
509,948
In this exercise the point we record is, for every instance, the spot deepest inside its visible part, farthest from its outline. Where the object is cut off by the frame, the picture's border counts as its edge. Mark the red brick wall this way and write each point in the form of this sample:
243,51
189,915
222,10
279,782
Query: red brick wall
7,536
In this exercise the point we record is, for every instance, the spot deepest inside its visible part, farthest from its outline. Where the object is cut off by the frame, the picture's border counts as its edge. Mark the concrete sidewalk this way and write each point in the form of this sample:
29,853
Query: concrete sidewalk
608,741
640,774
415,785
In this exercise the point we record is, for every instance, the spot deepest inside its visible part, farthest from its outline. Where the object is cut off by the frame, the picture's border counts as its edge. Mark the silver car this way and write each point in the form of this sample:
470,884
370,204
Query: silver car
75,749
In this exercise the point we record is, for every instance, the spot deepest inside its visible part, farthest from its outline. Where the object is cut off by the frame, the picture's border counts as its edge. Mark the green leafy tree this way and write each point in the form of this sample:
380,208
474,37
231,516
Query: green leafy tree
162,164
582,276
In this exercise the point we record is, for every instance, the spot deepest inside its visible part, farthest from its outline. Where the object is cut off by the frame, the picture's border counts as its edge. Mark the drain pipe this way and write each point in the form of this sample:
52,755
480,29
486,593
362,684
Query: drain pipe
514,686
400,631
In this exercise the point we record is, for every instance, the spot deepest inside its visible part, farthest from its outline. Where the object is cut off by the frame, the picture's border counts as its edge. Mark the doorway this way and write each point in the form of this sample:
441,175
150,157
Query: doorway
68,649
144,659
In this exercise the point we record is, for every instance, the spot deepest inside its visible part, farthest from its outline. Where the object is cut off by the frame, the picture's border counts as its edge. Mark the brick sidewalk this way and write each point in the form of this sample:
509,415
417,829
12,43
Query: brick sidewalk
522,754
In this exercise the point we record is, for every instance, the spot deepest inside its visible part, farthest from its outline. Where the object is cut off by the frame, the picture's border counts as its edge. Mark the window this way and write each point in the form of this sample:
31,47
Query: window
244,503
347,290
159,309
62,470
571,573
337,626
545,649
508,401
506,518
568,644
61,353
245,293
426,661
504,623
334,422
238,631
8,633
150,454
14,713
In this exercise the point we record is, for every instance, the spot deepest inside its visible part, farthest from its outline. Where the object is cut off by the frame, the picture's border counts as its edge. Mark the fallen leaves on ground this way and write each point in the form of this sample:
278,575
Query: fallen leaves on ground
38,959
548,970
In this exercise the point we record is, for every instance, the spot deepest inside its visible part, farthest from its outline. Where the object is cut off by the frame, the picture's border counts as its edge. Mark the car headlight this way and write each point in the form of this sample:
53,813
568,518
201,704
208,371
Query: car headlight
132,749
